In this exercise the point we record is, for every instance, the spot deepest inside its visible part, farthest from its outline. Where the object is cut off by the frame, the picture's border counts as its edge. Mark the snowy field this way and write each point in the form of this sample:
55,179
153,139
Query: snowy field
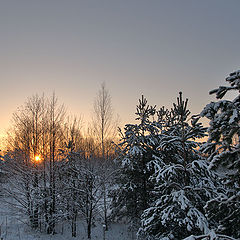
12,227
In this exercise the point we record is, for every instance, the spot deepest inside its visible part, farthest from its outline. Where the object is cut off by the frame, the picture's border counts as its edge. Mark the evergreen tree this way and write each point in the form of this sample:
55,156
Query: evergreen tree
223,150
133,188
182,180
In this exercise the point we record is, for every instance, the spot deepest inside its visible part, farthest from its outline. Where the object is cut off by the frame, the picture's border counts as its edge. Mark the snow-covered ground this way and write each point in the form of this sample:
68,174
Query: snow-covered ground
16,230
12,227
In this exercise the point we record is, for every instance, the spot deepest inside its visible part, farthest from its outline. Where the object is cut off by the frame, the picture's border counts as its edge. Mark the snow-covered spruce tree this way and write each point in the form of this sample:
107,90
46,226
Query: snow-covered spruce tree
133,189
182,180
223,150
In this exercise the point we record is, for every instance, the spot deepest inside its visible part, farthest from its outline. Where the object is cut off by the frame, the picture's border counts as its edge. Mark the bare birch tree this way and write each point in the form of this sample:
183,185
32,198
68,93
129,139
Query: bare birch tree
104,126
56,114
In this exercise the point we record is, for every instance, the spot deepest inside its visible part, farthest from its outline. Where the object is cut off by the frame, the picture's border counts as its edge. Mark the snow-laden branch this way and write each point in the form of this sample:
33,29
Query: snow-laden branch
210,236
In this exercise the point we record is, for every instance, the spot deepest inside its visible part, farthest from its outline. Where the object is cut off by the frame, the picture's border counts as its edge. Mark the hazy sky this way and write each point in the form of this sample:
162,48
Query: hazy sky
150,47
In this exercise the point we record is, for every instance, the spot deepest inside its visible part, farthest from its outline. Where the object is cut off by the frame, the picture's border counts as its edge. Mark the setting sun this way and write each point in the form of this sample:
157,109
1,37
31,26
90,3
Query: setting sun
37,158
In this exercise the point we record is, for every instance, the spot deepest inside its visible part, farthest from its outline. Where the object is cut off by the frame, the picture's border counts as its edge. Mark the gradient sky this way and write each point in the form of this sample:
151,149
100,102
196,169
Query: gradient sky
152,47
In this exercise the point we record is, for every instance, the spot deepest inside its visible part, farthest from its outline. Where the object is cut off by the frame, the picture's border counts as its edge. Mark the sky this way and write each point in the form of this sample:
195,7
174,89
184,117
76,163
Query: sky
155,48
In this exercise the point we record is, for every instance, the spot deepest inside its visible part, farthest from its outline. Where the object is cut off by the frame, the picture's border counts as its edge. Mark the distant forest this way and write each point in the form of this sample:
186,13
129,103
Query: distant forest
166,176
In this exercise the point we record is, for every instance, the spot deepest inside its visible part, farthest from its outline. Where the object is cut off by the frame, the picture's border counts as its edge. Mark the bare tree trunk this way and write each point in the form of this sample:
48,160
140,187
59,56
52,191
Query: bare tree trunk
105,206
74,224
56,116
52,185
89,223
